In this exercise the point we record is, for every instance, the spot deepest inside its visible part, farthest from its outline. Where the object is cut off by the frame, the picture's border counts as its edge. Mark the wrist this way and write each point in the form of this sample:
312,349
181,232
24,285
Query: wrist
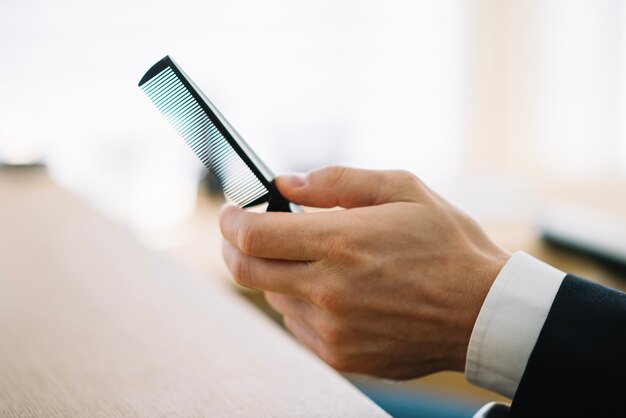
479,278
509,323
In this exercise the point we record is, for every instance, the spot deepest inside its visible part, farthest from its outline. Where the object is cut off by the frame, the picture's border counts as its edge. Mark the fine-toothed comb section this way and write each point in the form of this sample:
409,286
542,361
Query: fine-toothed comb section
244,179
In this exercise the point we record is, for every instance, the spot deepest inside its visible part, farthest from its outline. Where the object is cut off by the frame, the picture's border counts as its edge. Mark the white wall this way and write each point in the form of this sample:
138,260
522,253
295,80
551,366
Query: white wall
544,87
456,91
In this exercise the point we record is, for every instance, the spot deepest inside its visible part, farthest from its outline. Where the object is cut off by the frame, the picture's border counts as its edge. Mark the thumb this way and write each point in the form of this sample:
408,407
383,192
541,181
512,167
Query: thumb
350,187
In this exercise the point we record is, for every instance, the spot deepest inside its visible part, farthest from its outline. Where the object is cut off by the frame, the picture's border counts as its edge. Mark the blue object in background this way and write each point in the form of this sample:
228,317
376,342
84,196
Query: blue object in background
402,403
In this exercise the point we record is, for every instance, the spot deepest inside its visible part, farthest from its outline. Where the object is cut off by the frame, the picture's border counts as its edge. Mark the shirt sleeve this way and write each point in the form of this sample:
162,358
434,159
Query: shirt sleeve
509,322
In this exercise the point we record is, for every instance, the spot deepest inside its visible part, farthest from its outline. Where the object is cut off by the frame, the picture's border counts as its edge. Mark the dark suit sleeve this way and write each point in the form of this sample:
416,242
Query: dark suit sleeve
578,365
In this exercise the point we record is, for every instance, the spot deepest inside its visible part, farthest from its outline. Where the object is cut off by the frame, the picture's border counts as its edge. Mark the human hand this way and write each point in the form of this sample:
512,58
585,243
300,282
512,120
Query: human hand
389,287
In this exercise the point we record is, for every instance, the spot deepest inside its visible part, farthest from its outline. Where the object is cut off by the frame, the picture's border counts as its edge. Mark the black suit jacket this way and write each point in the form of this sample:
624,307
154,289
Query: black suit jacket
578,365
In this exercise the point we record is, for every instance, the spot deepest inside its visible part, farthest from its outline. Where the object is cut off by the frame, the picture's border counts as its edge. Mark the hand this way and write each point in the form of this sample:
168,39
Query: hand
389,287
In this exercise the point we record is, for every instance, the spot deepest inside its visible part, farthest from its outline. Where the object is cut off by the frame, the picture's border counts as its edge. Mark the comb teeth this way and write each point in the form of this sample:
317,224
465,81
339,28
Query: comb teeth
187,116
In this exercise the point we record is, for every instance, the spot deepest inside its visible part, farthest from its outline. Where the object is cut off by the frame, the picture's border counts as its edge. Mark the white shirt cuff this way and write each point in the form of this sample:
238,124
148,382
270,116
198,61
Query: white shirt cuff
509,323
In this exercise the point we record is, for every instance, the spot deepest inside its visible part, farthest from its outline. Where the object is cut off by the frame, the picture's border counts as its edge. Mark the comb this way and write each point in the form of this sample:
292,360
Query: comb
245,179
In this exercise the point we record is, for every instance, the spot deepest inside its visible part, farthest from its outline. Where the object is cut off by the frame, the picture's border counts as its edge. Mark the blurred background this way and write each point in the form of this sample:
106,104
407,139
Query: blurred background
494,104
486,101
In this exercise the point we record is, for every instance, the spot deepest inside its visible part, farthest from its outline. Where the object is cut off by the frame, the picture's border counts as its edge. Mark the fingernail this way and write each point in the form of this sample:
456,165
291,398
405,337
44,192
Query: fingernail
292,180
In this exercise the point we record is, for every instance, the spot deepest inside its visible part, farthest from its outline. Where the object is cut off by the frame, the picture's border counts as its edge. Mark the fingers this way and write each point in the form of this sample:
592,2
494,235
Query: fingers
303,333
298,317
292,307
307,237
279,276
325,338
276,235
350,187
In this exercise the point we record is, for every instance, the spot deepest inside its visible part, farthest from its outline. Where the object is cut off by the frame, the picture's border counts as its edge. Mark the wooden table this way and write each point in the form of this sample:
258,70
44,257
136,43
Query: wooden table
94,324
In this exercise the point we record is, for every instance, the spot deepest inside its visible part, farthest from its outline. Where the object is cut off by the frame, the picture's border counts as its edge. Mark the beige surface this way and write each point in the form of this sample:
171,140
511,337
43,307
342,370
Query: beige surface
93,324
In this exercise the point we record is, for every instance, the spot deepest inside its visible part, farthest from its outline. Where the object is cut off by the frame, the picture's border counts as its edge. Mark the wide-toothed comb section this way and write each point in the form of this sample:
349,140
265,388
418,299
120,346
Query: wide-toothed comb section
182,110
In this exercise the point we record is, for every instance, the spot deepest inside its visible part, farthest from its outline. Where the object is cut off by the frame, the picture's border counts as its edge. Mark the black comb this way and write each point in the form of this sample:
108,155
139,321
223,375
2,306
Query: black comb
245,180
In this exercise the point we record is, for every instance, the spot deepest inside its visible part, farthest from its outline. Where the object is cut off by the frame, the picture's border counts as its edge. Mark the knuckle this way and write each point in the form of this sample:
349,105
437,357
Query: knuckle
240,269
335,174
331,333
330,301
345,250
225,218
406,177
335,359
247,239
406,186
320,296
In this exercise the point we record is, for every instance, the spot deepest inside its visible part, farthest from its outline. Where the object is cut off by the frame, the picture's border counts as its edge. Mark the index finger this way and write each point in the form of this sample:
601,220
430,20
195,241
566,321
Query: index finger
278,235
